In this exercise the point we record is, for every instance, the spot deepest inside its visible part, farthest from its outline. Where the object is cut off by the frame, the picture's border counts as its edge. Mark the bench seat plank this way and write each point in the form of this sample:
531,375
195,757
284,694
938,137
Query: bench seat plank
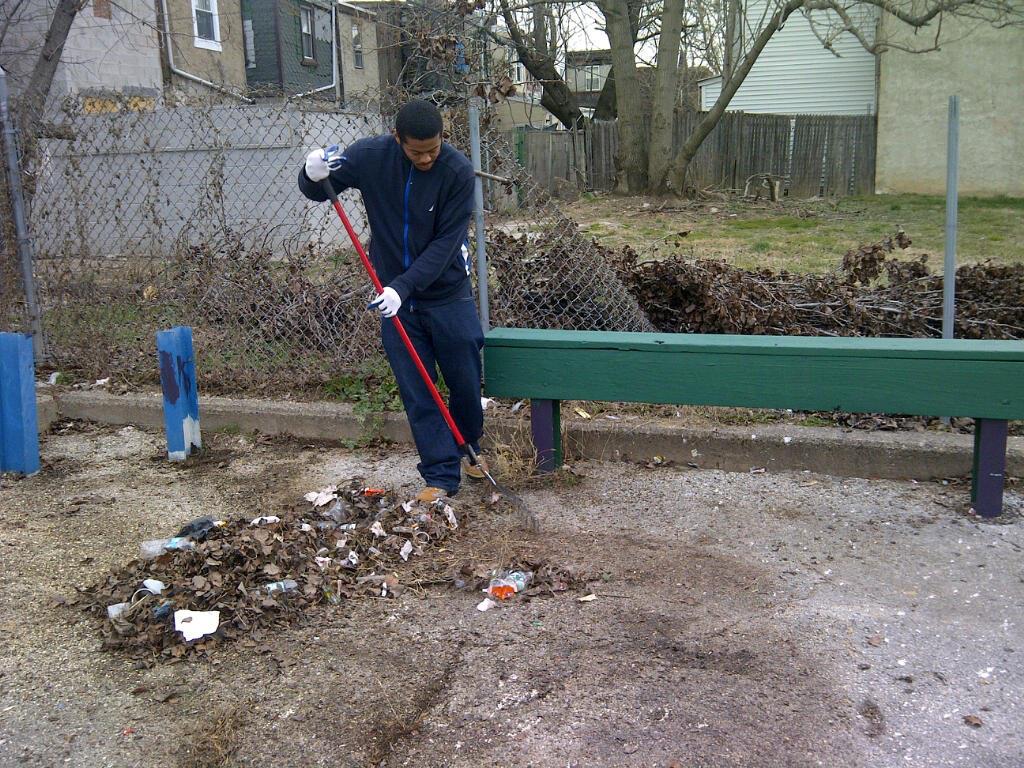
928,377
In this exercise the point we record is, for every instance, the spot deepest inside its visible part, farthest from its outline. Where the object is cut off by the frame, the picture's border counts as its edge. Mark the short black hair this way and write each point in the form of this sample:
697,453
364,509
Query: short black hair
418,119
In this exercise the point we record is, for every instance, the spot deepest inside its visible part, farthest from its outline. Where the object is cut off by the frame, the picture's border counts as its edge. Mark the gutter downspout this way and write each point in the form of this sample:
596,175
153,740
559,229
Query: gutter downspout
187,75
334,60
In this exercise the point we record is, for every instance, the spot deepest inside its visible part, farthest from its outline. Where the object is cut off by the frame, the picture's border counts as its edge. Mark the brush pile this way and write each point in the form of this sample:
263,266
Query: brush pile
871,294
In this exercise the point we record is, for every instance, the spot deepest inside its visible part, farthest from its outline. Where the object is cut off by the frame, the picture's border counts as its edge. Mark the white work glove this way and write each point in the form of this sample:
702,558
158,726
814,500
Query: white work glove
388,302
316,166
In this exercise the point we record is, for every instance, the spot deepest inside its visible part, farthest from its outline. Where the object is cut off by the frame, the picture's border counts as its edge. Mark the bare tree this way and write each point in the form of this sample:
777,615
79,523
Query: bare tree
538,53
729,38
916,15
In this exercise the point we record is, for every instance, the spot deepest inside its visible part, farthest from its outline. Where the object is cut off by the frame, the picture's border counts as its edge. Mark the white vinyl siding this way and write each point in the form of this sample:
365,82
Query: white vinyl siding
796,75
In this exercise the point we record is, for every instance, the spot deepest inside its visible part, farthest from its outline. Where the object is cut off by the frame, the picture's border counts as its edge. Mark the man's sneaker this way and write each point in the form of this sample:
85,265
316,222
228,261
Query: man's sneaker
473,471
430,494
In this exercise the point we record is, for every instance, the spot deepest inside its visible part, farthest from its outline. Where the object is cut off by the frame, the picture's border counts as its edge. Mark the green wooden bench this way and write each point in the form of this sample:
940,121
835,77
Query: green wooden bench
926,377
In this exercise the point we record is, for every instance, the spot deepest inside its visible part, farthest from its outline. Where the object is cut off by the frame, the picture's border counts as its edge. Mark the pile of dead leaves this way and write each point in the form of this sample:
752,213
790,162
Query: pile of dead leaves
340,544
870,294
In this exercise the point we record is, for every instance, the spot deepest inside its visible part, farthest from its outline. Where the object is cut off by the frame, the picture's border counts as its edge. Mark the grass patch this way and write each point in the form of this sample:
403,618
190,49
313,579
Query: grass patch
804,236
371,389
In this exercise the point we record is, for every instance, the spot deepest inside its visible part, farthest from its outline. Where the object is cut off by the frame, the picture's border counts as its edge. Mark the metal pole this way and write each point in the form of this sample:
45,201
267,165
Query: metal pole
952,181
20,219
478,213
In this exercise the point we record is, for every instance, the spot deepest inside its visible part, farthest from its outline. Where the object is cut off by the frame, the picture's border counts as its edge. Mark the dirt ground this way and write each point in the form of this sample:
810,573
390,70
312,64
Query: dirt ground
740,620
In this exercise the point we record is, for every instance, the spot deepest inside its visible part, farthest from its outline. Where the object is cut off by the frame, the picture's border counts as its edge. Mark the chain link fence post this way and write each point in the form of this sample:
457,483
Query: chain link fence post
478,213
22,234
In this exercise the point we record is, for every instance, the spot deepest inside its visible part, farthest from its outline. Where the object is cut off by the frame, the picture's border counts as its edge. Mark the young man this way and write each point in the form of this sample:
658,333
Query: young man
418,194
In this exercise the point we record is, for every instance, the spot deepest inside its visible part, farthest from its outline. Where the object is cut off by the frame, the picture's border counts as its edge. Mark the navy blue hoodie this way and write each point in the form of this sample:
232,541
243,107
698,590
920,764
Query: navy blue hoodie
418,219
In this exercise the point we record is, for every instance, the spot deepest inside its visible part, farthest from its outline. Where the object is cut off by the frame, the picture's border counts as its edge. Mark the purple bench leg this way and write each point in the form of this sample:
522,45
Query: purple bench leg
989,466
546,427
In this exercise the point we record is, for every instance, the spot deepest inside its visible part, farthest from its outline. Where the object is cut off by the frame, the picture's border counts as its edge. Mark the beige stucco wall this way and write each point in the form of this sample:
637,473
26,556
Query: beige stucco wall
516,112
360,85
225,67
986,70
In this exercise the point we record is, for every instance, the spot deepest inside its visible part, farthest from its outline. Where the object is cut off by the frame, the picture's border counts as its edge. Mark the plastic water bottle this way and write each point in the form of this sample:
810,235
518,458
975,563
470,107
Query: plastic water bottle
156,547
503,587
287,585
521,579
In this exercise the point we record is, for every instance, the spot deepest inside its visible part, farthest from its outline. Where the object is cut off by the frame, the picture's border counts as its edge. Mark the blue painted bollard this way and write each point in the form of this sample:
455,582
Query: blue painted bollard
19,431
181,398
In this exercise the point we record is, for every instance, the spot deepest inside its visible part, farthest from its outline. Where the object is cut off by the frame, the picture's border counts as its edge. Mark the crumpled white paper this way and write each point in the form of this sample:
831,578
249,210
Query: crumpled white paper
321,497
196,624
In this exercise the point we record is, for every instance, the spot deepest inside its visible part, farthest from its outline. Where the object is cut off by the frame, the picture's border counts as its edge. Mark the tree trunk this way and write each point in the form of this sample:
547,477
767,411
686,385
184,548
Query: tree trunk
632,154
605,108
666,90
729,88
732,45
556,97
33,98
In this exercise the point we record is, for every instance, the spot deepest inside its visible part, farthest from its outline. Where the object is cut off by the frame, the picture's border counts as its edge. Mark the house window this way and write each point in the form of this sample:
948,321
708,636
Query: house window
357,47
306,20
516,69
592,77
206,25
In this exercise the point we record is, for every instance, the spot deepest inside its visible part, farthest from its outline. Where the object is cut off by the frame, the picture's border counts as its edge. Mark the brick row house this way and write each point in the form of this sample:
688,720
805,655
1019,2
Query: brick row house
139,53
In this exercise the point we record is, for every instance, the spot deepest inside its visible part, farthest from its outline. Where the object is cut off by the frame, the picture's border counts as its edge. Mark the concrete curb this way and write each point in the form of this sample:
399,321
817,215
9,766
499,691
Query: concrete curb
895,455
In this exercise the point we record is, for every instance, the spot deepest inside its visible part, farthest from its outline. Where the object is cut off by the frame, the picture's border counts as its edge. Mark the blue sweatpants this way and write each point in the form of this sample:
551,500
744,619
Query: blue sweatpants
447,337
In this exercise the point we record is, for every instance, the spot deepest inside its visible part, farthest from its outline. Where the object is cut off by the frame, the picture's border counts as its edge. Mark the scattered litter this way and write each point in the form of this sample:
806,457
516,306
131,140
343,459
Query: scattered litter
374,492
582,414
378,530
196,624
102,382
758,470
504,586
115,610
612,417
321,497
587,598
152,548
787,440
286,585
229,570
973,720
198,528
154,585
486,402
657,462
485,605
266,520
54,378
449,515
519,404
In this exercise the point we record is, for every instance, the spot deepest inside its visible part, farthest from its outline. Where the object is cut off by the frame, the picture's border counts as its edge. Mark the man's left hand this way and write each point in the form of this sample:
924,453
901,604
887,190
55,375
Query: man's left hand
388,302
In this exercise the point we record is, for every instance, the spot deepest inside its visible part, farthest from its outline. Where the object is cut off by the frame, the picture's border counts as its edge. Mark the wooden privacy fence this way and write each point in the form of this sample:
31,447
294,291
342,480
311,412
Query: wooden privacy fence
813,154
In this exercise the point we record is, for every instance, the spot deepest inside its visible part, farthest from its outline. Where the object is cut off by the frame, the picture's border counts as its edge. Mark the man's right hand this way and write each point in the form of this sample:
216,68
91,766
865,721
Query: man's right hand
316,166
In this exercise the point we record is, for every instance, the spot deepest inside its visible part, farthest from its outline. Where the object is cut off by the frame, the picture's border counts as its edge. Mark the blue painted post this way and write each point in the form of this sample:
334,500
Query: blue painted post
181,398
19,430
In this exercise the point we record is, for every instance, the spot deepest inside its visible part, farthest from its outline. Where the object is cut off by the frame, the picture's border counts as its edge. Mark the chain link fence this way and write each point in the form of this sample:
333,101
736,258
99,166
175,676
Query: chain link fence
191,215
